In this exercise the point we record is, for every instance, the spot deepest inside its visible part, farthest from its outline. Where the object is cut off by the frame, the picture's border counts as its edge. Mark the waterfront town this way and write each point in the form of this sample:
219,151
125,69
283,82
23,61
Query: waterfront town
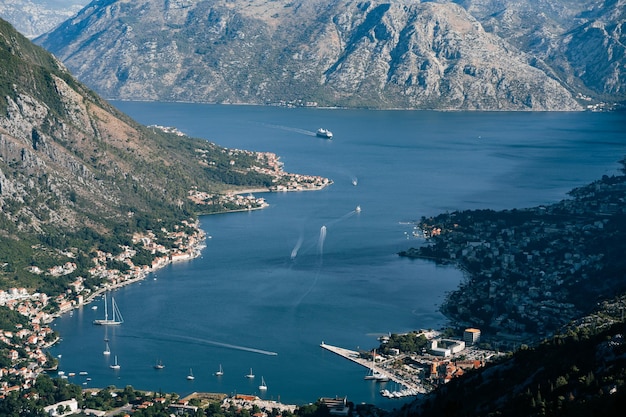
26,345
269,164
531,271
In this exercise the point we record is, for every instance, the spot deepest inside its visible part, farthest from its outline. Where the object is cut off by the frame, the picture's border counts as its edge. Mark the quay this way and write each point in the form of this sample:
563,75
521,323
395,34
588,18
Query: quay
354,356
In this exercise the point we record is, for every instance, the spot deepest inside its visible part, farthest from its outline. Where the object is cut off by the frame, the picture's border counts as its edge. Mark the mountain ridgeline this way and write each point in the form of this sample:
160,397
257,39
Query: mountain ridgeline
474,55
76,175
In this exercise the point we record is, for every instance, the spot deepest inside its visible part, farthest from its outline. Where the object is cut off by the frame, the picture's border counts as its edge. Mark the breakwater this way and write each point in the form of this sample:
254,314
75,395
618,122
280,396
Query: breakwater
384,372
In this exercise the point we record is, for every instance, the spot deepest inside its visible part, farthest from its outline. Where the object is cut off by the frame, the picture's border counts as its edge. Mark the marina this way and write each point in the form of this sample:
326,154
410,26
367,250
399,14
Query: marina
383,373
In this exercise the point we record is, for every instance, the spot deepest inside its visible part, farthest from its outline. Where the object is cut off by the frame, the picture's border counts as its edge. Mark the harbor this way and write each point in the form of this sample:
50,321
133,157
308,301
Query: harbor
382,372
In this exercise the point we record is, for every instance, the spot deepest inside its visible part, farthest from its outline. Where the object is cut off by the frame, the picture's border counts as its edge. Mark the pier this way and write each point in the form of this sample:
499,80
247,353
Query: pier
354,356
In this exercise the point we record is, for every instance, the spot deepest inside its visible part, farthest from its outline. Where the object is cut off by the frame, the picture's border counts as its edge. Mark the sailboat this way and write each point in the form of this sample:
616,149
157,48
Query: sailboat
374,373
263,386
117,316
220,372
190,376
107,351
250,375
371,374
115,365
159,365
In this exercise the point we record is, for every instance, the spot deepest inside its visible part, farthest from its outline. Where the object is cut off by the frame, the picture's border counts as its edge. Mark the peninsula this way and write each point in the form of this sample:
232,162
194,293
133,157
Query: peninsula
531,271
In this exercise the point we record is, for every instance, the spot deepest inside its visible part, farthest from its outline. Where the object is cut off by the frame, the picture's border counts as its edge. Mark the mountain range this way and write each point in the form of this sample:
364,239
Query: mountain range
463,55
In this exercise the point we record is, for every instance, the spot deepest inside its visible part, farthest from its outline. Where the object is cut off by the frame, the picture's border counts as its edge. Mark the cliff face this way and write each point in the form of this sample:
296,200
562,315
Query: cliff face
69,160
375,54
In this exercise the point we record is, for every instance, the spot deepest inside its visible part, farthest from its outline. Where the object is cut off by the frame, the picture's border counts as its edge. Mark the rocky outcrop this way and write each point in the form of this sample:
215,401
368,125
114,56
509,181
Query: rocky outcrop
374,54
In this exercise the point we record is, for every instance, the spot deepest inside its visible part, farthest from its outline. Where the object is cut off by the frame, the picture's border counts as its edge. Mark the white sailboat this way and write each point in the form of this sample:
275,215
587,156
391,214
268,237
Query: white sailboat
250,375
374,373
115,365
159,365
220,372
263,386
190,376
107,351
116,316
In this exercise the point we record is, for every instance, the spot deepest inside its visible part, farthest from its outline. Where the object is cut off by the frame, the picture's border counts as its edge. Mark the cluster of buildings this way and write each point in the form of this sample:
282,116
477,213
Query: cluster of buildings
267,163
413,373
236,202
25,347
527,267
448,358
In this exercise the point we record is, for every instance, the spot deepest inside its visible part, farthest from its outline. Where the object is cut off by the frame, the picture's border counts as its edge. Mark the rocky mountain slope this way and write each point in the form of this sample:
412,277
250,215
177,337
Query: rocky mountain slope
34,18
76,175
582,43
399,54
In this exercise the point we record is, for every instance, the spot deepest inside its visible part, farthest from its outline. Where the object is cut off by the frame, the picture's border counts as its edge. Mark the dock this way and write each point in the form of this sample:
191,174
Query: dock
354,356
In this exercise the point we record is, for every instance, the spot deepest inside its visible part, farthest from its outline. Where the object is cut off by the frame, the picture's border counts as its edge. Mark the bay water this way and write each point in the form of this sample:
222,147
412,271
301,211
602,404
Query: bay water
272,284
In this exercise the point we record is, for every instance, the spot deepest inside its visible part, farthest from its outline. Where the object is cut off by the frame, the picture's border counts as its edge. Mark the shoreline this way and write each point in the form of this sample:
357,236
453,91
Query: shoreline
194,250
193,243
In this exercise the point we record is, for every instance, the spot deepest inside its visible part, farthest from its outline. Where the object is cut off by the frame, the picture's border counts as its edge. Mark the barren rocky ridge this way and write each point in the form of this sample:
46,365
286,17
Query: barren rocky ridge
465,55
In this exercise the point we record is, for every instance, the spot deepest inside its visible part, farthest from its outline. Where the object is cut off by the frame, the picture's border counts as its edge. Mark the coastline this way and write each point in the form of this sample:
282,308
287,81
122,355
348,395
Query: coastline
193,251
189,241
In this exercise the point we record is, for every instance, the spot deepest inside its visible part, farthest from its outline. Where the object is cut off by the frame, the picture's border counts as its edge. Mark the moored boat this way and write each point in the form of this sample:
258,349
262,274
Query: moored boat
115,365
116,317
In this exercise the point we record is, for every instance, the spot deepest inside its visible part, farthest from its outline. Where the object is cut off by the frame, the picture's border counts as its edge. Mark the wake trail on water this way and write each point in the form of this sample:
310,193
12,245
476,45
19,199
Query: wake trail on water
294,251
320,247
197,340
291,129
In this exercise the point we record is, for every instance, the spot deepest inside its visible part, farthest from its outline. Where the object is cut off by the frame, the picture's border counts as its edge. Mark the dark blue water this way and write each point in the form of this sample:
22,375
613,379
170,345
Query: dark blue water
272,284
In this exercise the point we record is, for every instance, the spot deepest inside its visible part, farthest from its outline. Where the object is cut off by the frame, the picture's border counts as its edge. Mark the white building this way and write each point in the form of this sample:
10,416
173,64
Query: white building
446,347
64,408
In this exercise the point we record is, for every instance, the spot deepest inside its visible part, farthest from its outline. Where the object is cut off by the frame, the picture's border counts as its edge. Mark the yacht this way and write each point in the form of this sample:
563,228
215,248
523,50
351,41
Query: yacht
324,133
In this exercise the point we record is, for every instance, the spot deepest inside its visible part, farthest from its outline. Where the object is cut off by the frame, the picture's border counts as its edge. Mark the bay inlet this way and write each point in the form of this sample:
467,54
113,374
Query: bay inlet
272,284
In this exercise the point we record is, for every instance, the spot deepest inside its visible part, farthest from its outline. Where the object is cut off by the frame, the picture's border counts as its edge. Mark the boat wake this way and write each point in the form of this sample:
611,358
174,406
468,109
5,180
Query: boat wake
199,341
320,248
291,129
294,251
